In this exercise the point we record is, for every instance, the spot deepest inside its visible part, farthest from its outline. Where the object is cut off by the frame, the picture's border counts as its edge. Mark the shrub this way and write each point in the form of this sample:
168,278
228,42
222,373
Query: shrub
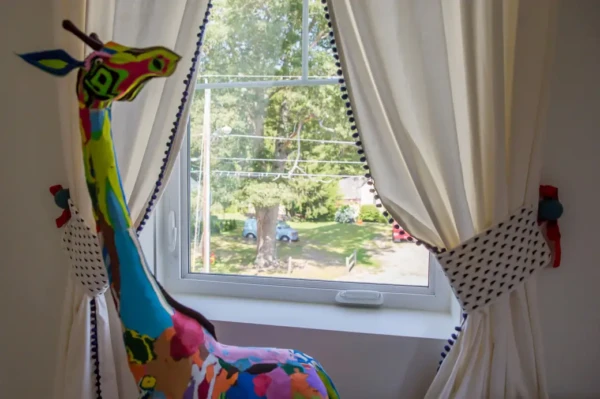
215,225
228,225
370,213
345,214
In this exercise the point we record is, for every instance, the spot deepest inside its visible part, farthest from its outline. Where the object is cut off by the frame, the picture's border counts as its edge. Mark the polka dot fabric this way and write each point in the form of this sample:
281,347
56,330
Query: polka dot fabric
85,254
497,261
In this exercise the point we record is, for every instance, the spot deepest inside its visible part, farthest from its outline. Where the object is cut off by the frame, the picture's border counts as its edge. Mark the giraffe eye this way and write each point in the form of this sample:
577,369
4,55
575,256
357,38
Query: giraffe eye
157,64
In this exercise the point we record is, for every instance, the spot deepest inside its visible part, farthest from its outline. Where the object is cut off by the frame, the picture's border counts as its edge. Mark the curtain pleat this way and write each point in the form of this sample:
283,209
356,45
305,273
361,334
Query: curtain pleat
450,101
141,130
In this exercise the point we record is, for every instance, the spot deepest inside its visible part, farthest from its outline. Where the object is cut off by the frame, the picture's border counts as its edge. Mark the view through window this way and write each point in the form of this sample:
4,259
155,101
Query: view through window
276,186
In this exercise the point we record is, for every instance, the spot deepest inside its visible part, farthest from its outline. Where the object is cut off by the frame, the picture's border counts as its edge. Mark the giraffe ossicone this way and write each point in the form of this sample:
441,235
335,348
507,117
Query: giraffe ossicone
172,350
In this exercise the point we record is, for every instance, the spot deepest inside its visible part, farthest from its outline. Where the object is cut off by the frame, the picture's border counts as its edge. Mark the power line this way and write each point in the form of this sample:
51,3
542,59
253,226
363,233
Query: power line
275,174
267,76
197,159
287,160
267,83
251,136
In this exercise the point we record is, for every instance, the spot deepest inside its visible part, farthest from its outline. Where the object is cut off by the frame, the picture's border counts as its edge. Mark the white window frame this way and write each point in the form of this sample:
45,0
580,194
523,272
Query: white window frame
173,252
173,258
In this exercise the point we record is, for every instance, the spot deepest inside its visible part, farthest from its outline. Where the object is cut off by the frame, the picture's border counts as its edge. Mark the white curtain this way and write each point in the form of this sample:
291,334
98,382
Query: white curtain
141,130
450,100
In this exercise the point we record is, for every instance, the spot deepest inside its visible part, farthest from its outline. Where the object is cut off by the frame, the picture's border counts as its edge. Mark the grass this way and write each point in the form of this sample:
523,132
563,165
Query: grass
323,243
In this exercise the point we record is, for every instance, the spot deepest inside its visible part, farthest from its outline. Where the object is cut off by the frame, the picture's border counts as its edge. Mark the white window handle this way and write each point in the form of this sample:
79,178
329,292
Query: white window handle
172,229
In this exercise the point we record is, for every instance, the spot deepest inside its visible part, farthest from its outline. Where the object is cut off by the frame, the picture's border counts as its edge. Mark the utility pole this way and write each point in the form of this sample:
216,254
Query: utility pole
197,211
206,137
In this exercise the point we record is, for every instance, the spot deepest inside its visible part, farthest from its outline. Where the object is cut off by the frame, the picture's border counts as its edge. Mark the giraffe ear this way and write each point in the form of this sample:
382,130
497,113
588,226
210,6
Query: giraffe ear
55,62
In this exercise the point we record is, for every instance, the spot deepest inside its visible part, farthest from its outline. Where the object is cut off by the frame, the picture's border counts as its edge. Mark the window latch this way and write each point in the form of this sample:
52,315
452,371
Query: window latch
172,232
363,298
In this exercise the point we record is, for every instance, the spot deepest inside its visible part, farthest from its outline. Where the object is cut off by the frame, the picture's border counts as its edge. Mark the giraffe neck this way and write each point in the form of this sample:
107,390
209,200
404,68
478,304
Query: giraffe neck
143,308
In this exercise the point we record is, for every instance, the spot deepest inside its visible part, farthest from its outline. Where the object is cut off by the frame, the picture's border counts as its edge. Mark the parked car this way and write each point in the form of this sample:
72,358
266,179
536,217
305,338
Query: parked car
400,235
283,231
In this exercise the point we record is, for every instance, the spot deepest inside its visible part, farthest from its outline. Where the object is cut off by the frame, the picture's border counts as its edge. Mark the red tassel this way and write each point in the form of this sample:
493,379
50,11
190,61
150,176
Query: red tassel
549,191
54,189
553,234
552,229
63,218
557,254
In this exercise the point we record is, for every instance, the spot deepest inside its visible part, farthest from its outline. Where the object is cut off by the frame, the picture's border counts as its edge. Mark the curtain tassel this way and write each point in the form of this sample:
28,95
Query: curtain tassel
549,211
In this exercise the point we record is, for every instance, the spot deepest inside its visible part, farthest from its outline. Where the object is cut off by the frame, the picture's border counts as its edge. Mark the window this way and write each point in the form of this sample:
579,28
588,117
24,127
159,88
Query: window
270,191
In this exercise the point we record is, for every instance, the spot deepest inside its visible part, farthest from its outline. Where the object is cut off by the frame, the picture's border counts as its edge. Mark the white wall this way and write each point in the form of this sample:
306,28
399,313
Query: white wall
33,269
570,295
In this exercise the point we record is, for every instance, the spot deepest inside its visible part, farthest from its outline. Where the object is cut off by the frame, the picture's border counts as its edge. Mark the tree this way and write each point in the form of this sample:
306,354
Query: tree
259,39
266,198
313,200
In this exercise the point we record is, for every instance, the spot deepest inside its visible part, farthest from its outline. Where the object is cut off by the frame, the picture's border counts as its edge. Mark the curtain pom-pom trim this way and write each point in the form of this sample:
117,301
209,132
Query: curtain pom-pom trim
94,348
184,98
451,341
356,131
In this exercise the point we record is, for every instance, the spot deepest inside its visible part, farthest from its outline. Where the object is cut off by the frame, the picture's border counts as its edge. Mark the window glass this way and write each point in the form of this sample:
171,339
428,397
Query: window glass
276,187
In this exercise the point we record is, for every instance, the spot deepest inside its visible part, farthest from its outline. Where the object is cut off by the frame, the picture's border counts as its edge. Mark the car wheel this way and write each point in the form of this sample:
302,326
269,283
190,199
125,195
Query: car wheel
250,236
284,239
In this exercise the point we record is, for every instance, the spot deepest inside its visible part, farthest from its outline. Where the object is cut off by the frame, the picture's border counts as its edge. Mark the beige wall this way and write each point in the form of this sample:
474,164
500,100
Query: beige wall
32,272
570,295
33,269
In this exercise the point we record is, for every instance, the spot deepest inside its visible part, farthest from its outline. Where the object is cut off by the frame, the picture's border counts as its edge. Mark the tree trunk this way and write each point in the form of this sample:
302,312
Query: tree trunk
266,217
266,244
257,120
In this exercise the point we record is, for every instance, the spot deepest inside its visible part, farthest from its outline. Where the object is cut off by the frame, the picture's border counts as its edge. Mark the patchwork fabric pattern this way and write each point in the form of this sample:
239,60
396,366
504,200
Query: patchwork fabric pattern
495,262
170,352
85,254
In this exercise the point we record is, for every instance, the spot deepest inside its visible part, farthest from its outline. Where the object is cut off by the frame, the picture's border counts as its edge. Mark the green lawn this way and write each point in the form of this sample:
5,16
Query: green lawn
324,243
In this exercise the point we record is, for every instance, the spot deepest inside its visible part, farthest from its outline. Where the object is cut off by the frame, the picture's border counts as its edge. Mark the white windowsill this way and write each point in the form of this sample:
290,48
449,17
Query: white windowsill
382,321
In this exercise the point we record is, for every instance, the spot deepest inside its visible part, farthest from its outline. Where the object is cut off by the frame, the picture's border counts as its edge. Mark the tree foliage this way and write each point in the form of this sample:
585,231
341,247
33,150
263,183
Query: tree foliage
313,200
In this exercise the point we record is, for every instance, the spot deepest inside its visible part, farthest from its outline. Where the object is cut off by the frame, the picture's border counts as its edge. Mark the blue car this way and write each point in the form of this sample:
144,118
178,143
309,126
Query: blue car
283,231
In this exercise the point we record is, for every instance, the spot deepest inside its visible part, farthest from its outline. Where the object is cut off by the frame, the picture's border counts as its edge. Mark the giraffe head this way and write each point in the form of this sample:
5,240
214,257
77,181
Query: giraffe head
112,72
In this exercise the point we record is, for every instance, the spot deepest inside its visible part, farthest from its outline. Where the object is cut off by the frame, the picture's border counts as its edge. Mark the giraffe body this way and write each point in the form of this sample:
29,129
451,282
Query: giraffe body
170,354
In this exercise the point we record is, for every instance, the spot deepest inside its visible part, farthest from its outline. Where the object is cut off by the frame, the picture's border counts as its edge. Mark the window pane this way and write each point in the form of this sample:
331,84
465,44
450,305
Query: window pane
252,41
286,194
321,63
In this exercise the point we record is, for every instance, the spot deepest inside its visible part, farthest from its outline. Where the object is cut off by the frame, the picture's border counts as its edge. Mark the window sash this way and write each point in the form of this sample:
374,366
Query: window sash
173,249
174,246
304,81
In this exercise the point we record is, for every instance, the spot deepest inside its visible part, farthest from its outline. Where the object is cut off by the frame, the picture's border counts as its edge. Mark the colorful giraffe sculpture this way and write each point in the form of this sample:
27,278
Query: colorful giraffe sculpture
172,350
